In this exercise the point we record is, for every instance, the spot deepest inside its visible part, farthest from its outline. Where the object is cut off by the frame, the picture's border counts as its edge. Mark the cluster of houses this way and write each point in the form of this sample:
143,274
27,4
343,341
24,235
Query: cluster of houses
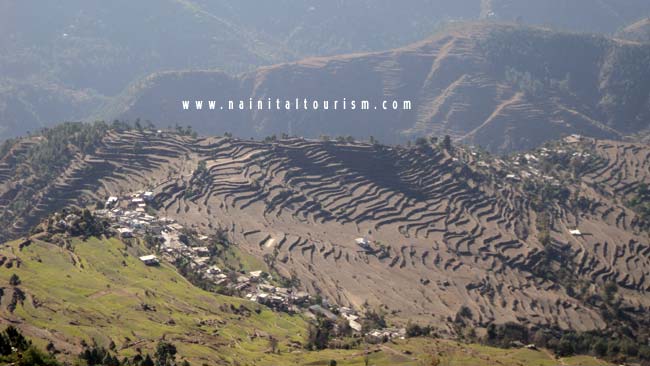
528,165
130,217
278,298
530,169
383,335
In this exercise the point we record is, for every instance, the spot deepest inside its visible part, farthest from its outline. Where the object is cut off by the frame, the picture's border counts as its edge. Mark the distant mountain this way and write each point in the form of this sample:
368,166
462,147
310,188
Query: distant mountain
504,87
97,48
638,31
593,16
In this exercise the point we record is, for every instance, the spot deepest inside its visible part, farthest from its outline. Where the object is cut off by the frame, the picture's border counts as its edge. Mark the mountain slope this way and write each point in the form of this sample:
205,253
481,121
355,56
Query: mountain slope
637,32
499,86
88,47
95,292
448,229
602,16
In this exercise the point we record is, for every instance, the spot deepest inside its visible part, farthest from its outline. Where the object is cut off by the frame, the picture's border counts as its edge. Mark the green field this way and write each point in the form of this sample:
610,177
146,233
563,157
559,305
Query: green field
100,292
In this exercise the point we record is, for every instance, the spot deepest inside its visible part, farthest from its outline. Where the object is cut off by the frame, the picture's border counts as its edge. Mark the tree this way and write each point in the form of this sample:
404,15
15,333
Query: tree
629,348
110,360
14,280
465,312
318,335
421,142
15,349
610,290
165,354
34,357
413,330
565,348
12,338
147,361
446,142
373,320
600,348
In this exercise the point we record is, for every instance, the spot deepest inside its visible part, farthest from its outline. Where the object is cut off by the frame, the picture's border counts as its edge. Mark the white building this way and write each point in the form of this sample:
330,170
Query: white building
355,325
150,260
125,232
575,232
255,275
362,242
112,200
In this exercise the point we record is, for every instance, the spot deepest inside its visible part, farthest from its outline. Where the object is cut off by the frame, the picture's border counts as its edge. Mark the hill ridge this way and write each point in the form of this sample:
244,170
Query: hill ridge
455,80
445,224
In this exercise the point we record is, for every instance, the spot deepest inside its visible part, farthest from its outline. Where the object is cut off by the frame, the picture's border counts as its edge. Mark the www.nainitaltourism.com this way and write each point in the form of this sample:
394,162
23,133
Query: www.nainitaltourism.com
297,104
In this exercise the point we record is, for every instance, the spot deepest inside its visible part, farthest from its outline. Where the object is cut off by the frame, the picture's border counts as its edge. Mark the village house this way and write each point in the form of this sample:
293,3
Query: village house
213,270
201,251
150,260
320,311
125,233
175,227
572,139
255,276
243,279
111,201
220,279
381,335
575,232
264,287
136,201
300,297
362,242
356,326
200,262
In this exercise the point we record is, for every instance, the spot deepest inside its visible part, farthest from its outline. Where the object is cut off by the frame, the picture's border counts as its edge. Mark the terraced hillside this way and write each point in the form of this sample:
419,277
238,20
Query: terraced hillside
447,228
480,83
98,292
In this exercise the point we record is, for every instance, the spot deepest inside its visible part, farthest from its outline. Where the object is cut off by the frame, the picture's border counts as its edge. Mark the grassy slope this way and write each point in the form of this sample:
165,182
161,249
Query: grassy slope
95,292
99,288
